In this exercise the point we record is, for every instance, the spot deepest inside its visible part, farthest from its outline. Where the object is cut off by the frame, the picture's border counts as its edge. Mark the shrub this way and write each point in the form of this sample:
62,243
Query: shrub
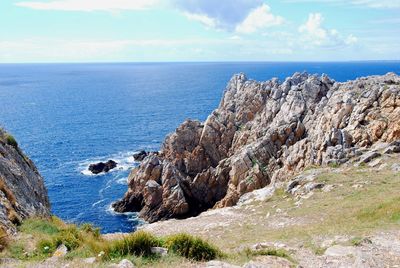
11,141
138,243
70,237
46,247
192,247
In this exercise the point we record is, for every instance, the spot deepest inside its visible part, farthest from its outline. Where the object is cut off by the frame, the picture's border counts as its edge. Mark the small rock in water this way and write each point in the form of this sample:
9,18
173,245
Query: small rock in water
102,167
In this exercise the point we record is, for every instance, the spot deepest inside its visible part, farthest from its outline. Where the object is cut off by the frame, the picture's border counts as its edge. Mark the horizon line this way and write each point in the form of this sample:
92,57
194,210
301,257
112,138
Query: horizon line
166,62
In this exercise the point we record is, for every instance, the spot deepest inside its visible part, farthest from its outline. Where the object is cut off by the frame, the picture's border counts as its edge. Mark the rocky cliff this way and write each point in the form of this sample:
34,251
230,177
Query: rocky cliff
262,132
22,191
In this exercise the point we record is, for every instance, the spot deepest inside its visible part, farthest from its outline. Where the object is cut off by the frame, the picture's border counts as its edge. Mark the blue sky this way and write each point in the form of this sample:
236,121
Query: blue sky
198,30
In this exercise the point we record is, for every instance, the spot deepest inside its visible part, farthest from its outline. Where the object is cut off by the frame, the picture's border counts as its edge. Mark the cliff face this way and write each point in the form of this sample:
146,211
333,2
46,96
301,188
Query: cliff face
22,191
262,132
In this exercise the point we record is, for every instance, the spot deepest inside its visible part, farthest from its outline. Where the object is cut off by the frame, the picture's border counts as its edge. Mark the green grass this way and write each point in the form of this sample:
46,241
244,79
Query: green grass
138,243
10,140
193,248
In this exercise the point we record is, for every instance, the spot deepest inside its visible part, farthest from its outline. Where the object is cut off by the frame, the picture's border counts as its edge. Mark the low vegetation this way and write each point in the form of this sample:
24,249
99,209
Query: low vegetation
11,141
193,248
84,241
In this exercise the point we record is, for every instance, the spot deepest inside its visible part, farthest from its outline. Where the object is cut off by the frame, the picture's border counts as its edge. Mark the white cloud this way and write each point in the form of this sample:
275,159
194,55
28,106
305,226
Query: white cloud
220,14
204,19
361,3
90,5
378,3
314,34
259,18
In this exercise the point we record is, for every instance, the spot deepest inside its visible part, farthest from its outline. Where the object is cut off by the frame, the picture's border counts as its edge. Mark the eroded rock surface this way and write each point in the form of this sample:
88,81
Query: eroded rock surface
22,191
263,132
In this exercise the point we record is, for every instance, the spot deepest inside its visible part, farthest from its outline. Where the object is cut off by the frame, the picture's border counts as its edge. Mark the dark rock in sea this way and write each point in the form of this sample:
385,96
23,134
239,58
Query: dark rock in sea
102,167
263,132
140,156
22,190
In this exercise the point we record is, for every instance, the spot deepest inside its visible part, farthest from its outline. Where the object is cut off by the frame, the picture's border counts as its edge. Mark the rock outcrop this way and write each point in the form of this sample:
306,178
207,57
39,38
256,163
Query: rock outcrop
22,191
260,133
102,167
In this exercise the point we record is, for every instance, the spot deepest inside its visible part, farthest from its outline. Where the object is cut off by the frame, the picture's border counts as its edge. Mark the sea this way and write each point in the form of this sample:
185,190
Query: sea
66,116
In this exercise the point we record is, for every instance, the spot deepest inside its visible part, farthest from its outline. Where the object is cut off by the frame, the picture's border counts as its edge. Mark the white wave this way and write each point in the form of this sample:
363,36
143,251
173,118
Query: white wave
124,162
99,202
123,181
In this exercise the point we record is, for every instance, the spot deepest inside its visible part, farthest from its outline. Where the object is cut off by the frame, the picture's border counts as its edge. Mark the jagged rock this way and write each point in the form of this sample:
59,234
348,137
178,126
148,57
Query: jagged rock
392,148
368,157
22,190
140,156
263,132
102,167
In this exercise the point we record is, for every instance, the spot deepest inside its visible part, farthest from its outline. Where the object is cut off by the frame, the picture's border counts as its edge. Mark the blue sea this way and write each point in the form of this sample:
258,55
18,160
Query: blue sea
66,116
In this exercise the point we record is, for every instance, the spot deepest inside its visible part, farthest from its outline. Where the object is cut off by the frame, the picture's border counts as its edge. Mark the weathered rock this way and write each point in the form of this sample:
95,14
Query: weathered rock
366,158
340,251
61,251
159,251
22,190
264,132
102,167
140,156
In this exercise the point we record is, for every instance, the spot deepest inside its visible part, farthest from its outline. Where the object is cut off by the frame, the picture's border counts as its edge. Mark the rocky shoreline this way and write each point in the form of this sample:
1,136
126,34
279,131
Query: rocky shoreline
262,132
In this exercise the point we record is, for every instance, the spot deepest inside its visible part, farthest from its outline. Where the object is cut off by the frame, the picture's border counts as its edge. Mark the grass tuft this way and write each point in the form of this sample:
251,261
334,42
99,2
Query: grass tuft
193,248
138,243
10,140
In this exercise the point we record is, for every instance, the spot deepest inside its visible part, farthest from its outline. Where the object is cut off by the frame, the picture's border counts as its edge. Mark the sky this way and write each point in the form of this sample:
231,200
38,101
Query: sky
198,30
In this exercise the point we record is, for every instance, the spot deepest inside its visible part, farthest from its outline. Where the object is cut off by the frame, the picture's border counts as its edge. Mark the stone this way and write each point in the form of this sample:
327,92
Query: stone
102,167
140,156
396,167
375,163
220,264
123,264
392,149
367,157
61,251
340,251
263,133
159,251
